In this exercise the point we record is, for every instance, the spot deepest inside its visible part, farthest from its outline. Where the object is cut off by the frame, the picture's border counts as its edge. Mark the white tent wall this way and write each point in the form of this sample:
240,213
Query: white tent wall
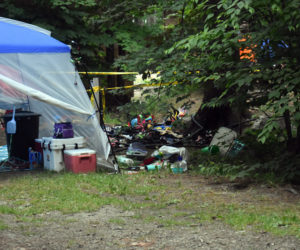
52,74
10,96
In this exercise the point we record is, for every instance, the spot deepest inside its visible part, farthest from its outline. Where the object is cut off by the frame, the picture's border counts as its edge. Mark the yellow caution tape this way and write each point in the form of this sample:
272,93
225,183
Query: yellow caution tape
127,73
98,89
109,73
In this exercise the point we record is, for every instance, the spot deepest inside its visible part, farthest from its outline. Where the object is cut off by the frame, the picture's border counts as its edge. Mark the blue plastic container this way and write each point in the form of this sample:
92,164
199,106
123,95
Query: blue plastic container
177,170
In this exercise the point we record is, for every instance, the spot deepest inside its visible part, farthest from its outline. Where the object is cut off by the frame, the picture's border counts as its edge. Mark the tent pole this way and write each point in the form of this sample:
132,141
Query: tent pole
102,125
99,108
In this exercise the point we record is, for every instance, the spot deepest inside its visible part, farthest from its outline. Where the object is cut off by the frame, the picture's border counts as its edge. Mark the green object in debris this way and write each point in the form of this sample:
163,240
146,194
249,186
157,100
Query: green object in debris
177,170
124,160
211,149
236,148
154,166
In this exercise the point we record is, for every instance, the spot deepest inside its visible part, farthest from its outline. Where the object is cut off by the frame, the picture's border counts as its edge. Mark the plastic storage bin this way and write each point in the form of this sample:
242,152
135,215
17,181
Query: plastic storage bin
80,160
53,151
63,130
27,130
179,167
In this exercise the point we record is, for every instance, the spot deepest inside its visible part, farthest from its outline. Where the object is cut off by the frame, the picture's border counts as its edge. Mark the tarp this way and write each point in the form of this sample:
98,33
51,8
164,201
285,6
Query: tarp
18,39
41,96
37,74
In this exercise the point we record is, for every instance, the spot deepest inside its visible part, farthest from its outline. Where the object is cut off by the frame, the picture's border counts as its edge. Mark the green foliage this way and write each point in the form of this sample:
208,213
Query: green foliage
67,20
209,43
268,162
272,80
113,119
151,105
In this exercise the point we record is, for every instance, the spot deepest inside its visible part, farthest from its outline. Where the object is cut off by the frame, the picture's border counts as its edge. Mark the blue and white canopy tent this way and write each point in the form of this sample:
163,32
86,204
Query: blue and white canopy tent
37,74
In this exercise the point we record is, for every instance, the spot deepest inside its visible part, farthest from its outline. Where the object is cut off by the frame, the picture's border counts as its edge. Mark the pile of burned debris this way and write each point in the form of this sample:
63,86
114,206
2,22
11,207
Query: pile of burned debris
145,144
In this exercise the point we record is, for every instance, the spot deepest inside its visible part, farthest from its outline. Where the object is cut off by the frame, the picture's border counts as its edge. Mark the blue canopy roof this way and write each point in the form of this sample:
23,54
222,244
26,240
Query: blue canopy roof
18,39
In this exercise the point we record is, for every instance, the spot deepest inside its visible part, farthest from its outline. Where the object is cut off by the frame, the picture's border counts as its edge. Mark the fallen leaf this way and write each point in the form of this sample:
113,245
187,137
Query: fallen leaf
141,244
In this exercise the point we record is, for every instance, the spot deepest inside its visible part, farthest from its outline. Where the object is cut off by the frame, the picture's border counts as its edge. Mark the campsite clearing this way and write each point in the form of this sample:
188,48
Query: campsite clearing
144,211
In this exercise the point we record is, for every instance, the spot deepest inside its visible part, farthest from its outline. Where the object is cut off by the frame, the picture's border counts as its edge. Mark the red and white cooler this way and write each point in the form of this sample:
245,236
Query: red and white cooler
80,160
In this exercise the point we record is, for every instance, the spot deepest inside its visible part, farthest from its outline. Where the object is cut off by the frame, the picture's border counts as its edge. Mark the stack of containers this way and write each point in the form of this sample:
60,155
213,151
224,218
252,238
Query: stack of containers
53,151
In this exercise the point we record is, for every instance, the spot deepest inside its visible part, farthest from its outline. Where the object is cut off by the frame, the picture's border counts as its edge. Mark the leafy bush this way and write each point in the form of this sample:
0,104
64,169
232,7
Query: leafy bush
266,162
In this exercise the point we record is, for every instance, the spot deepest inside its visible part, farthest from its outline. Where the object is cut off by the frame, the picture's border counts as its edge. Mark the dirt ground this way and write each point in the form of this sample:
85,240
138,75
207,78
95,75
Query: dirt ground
113,228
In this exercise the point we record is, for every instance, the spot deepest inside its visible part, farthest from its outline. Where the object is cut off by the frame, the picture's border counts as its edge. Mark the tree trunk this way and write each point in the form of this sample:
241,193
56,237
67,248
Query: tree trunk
298,140
212,118
288,127
113,100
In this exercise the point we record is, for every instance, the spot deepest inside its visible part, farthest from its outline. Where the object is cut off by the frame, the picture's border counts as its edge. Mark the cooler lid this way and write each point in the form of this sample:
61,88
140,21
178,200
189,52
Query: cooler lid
61,143
81,151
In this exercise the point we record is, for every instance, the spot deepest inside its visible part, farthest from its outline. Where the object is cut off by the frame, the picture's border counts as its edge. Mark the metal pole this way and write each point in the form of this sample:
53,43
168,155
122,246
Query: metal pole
100,110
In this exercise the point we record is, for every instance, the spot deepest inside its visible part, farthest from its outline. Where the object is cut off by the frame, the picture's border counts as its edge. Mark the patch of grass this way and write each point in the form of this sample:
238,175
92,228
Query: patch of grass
173,222
137,216
67,221
180,214
71,243
203,215
27,230
31,219
149,218
173,202
4,209
283,223
276,220
3,226
117,221
70,193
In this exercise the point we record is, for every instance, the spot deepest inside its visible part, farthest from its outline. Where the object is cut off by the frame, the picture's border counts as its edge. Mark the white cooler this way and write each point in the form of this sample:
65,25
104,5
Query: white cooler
53,151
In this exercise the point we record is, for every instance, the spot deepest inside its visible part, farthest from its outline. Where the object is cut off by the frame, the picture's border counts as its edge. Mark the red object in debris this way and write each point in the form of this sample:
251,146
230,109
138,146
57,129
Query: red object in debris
38,146
149,160
80,160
